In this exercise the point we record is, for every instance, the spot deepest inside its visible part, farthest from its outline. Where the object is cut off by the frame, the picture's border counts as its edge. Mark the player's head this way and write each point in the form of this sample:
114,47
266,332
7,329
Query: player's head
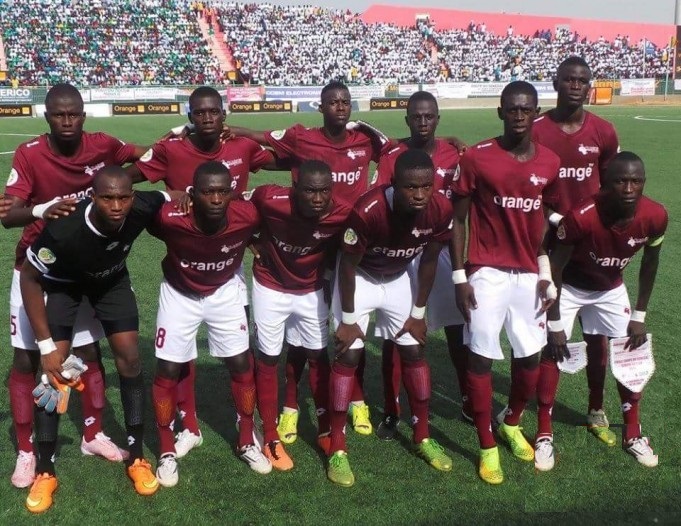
623,183
413,181
65,115
336,104
312,190
206,111
211,192
518,109
572,82
422,116
112,197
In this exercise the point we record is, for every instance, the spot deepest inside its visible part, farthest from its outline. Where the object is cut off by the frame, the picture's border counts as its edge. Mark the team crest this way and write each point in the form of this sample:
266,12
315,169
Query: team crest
560,233
278,135
46,256
350,237
13,177
147,156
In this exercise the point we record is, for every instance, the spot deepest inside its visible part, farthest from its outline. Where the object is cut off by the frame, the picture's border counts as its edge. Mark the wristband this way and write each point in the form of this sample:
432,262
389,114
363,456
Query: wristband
638,315
555,325
459,276
544,268
177,130
554,218
46,346
348,318
38,211
418,313
551,292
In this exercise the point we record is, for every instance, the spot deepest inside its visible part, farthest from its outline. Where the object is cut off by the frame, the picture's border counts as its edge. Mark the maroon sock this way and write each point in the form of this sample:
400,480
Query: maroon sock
547,387
597,354
479,387
21,401
295,365
319,385
416,376
358,386
92,399
164,394
267,384
341,385
391,367
523,389
458,353
186,397
244,395
630,414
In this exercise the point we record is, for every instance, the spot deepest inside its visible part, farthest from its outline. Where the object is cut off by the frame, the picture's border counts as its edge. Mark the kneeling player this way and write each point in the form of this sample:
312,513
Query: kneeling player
204,251
595,242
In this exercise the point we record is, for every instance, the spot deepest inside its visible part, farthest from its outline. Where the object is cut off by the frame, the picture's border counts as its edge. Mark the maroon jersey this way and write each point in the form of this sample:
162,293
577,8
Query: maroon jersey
198,263
506,218
601,252
445,159
584,156
175,160
349,160
389,241
39,175
296,248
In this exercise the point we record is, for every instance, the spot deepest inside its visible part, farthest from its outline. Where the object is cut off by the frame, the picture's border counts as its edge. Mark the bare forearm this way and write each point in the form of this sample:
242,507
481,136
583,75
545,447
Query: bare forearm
347,272
646,278
254,135
426,273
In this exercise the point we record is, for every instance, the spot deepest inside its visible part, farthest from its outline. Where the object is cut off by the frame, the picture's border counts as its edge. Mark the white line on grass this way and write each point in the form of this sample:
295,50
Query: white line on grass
17,134
642,118
6,153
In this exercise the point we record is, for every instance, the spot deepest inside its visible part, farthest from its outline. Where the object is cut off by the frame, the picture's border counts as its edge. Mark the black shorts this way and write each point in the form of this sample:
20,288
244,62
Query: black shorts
113,302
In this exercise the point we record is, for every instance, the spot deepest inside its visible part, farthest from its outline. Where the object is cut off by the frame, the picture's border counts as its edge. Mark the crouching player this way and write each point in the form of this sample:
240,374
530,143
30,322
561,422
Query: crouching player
595,242
204,250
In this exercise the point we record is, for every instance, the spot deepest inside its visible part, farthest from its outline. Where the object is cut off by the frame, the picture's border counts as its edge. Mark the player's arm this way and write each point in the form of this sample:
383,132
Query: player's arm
254,135
348,330
646,281
19,213
557,339
465,296
135,173
460,145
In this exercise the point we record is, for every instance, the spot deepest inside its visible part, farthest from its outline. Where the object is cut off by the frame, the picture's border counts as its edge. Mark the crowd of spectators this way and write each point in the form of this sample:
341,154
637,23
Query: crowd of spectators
156,42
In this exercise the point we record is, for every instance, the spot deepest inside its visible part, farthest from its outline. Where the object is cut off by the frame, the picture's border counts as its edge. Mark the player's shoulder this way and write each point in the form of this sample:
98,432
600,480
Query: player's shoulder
599,123
483,147
440,202
97,138
243,210
64,229
268,192
546,153
341,207
651,209
395,151
295,130
369,200
33,144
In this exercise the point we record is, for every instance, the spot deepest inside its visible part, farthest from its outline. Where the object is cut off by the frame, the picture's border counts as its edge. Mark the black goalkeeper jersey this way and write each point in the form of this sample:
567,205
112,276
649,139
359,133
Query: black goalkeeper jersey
71,249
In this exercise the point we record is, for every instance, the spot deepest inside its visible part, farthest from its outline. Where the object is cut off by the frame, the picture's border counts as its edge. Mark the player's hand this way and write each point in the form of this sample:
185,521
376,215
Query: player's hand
547,294
416,327
637,335
5,205
346,335
45,395
465,300
72,368
61,208
226,134
557,345
184,203
259,252
459,145
51,365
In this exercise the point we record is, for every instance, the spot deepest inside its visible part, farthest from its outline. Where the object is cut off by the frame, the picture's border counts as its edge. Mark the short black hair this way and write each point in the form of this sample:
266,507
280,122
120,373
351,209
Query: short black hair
207,169
110,171
419,96
204,91
63,90
620,159
519,87
313,166
412,159
334,84
573,60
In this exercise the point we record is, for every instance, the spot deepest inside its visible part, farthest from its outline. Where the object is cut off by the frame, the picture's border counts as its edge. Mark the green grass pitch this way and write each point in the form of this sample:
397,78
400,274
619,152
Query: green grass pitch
590,480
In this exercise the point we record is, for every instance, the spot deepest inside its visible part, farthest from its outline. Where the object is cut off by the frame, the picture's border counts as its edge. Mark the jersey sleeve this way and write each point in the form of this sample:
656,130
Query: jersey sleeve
259,157
42,253
551,192
380,146
465,184
569,230
443,232
149,203
356,234
384,171
611,145
284,142
20,181
154,163
123,152
257,196
659,228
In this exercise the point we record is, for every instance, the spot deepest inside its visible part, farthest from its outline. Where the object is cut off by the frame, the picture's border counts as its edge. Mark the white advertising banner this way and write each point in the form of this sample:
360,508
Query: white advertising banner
107,94
637,87
450,90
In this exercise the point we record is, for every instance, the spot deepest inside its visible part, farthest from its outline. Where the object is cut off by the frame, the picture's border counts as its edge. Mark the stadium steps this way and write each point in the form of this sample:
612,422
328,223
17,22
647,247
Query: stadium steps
215,42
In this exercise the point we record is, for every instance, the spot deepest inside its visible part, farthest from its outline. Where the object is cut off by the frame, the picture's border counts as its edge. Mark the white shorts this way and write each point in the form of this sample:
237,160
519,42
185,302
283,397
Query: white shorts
243,288
505,299
604,312
86,329
441,309
304,318
179,317
392,300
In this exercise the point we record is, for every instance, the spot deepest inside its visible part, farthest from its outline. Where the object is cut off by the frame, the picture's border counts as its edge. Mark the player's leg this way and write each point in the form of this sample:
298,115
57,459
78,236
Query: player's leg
596,365
21,383
296,359
633,440
391,370
164,398
359,410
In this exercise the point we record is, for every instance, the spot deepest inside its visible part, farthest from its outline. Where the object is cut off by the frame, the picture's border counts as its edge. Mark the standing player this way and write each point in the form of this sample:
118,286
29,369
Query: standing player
585,144
58,164
388,227
348,153
503,187
422,119
205,249
299,239
174,162
83,256
596,241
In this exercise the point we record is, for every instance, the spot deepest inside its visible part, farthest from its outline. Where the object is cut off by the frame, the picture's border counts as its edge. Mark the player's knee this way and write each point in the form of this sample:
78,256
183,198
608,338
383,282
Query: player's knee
350,358
168,370
528,362
267,359
25,361
239,364
411,353
46,426
88,353
317,356
479,364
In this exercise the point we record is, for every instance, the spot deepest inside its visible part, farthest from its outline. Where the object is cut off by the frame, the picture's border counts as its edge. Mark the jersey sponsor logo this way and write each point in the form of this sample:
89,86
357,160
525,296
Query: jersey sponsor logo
207,266
355,154
526,204
586,209
393,150
610,261
32,144
291,249
225,248
280,197
538,181
370,205
90,170
416,232
350,237
485,145
560,233
113,245
346,177
320,235
586,150
79,195
398,252
233,162
581,173
108,272
13,177
147,156
278,135
177,214
46,256
633,241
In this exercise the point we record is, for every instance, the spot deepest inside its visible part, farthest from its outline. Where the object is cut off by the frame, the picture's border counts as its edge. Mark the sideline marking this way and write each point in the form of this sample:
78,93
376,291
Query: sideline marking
6,153
17,134
643,118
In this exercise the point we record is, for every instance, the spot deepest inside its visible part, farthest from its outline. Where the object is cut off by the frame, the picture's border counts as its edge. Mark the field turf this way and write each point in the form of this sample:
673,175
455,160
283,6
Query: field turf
590,482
